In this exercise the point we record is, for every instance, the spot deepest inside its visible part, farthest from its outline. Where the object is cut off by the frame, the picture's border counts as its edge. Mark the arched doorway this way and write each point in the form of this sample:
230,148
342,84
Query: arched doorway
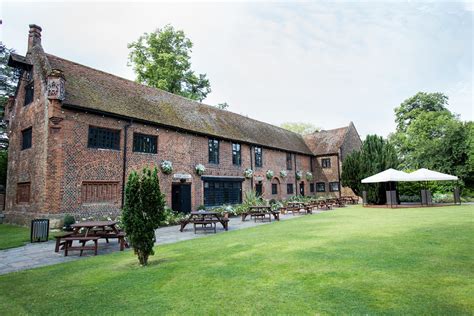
276,188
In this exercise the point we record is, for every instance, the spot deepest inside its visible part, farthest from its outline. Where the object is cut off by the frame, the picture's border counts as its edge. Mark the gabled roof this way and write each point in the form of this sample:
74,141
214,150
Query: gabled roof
326,141
95,90
18,61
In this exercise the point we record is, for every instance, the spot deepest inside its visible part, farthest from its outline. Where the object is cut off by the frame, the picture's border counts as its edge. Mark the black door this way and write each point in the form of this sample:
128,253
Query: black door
302,188
259,189
181,198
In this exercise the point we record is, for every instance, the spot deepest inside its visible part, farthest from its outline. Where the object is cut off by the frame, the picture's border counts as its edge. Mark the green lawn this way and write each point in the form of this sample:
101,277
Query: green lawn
13,236
351,260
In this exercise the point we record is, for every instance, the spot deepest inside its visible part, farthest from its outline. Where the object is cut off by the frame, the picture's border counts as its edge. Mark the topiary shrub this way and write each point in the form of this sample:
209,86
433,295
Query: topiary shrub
143,212
68,221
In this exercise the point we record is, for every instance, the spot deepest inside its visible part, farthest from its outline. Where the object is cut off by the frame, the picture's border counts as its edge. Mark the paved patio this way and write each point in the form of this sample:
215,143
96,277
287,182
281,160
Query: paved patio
42,254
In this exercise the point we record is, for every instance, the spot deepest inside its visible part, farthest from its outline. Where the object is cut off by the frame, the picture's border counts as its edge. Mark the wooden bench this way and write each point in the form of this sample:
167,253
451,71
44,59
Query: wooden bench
83,240
60,240
204,224
261,216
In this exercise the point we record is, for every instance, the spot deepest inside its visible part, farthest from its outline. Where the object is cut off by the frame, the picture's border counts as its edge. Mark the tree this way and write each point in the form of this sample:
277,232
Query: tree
143,211
420,102
300,127
429,136
375,155
161,59
8,82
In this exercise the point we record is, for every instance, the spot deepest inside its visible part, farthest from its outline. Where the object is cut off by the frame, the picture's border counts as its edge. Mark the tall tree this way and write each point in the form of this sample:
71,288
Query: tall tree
428,135
8,82
375,155
300,127
143,211
162,59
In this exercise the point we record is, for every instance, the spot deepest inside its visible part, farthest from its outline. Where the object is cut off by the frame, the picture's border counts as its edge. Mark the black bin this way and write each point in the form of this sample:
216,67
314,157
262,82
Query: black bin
39,230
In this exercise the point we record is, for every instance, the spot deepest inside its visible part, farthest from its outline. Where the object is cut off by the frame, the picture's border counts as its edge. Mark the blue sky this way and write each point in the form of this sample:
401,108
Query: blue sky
327,63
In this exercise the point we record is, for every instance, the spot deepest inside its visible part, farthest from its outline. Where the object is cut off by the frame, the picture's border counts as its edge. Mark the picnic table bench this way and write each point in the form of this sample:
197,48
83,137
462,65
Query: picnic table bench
83,240
261,212
203,219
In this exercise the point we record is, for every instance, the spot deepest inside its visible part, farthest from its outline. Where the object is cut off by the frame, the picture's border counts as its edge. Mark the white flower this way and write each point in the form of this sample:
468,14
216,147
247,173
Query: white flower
200,169
269,174
248,173
299,174
283,173
166,166
309,176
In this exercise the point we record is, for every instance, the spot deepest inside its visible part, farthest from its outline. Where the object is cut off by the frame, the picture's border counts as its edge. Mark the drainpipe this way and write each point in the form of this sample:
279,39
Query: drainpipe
251,166
296,180
124,163
339,175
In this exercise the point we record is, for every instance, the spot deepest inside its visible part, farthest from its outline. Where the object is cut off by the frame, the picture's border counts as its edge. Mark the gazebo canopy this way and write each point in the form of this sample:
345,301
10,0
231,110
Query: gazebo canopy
424,174
388,175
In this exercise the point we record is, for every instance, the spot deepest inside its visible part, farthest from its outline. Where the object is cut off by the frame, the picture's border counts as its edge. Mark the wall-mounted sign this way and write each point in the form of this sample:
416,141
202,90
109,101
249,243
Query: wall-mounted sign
182,176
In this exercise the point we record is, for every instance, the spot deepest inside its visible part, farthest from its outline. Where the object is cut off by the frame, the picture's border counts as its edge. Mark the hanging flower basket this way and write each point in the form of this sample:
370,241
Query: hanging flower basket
200,169
299,175
309,176
269,174
283,173
248,173
166,166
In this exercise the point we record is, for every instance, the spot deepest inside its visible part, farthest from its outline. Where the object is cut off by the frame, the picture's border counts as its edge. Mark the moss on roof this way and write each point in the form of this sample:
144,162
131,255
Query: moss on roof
96,90
326,142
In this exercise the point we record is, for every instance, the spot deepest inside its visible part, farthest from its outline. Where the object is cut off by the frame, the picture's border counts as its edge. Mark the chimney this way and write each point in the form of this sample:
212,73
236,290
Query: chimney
34,37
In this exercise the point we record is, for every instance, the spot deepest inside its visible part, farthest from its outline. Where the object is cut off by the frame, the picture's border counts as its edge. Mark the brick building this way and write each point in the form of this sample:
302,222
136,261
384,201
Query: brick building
76,133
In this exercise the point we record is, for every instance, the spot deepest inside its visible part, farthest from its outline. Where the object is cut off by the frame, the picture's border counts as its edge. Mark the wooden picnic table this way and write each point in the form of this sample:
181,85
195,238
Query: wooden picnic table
203,217
261,211
93,230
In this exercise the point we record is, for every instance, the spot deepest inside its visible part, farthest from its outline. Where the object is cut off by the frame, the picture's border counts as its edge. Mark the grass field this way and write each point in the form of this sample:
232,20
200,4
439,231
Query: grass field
351,260
13,236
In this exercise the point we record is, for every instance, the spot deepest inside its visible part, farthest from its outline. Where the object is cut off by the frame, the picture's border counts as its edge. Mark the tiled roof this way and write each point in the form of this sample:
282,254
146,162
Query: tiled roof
96,90
326,142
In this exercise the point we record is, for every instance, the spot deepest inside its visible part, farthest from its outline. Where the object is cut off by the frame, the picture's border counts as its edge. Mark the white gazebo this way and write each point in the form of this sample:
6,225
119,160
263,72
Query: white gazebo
390,176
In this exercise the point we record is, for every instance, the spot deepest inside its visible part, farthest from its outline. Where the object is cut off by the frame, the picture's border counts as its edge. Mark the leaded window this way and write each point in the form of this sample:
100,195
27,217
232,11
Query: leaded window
289,188
213,151
236,156
258,157
289,161
29,93
143,143
26,138
320,187
326,162
333,186
103,138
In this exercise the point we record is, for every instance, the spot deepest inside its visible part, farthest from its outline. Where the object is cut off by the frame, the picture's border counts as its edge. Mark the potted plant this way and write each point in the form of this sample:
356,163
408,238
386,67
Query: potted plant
200,169
309,176
248,173
269,174
299,175
166,166
283,173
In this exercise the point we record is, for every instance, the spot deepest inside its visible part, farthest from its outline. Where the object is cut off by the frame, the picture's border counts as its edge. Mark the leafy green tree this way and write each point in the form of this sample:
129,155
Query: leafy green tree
300,127
222,106
3,166
8,82
162,59
143,211
429,136
375,155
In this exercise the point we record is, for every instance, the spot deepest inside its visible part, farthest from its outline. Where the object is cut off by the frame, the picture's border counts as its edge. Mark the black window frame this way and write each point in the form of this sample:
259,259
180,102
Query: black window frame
219,192
213,150
318,185
330,186
289,188
289,161
100,141
274,188
326,163
258,156
311,164
29,92
236,154
27,138
311,187
145,143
